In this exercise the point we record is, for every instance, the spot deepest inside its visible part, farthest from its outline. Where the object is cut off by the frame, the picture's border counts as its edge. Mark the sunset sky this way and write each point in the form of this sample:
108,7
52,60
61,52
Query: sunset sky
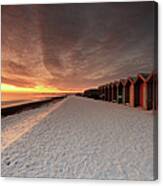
71,47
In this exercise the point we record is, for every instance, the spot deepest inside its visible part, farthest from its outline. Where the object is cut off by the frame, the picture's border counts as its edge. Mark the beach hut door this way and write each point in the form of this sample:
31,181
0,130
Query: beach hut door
141,95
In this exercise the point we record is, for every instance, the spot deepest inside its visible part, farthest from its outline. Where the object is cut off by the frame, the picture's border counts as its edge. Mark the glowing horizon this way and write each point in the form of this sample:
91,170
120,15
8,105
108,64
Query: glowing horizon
37,89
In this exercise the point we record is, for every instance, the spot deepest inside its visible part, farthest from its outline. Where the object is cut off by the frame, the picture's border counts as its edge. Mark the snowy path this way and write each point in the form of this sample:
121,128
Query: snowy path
82,138
14,127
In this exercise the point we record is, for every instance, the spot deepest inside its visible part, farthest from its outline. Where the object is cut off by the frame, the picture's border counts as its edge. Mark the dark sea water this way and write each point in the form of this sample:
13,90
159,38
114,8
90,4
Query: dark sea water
13,99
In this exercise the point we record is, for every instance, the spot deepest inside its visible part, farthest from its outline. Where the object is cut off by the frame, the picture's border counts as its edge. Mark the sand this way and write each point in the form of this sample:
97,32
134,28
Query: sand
79,138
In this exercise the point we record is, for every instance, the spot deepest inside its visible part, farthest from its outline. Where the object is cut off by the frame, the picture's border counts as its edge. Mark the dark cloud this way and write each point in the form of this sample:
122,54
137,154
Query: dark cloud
13,68
17,81
75,46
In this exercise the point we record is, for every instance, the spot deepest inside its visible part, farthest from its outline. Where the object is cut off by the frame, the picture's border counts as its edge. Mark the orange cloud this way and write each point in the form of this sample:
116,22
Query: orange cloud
36,89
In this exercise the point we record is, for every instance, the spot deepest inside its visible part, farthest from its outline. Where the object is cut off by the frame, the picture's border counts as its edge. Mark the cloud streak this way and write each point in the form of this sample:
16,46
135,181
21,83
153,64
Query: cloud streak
76,46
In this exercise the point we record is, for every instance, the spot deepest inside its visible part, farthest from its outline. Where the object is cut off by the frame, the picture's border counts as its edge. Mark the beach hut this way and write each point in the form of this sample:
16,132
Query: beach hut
114,92
119,91
111,85
147,95
126,91
155,92
131,88
91,93
109,92
152,84
106,92
101,90
140,91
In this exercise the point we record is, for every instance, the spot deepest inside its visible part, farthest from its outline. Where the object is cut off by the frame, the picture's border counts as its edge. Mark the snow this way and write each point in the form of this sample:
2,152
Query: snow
79,138
15,126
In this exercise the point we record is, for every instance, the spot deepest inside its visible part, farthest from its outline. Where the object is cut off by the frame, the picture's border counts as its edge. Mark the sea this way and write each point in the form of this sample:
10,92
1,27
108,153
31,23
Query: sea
9,99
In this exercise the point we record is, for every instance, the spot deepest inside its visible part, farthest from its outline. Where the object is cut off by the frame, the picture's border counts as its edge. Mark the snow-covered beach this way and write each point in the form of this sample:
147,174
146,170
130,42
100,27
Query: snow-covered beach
79,138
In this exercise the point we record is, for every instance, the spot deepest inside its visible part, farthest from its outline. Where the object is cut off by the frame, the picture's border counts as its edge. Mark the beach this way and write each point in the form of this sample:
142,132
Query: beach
79,138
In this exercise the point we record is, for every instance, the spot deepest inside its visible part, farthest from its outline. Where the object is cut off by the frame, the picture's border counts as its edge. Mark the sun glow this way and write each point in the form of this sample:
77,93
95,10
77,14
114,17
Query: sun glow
36,89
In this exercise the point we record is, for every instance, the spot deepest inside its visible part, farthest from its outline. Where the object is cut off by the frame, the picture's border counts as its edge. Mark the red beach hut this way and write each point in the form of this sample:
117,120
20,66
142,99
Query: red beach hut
114,92
106,92
126,91
140,91
155,92
146,88
119,91
109,92
101,92
132,92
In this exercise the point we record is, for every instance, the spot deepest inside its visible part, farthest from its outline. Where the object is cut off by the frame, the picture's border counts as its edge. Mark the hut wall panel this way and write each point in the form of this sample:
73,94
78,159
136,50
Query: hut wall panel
155,93
150,96
132,95
141,95
124,95
120,93
106,93
115,94
112,94
109,93
146,96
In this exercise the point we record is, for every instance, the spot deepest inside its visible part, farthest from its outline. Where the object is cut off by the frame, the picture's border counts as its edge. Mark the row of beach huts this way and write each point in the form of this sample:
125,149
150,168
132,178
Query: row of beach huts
138,91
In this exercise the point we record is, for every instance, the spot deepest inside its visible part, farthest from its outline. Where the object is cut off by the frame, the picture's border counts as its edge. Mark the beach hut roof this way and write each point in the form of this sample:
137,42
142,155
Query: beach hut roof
124,81
101,86
90,90
132,78
108,84
151,75
111,83
119,82
116,82
143,76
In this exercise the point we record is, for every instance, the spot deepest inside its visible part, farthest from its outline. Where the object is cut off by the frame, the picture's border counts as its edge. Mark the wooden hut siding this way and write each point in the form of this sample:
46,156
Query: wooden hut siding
124,95
111,86
150,95
106,93
123,81
119,92
146,91
114,93
136,91
127,92
132,92
91,93
109,93
155,92
101,92
132,95
140,93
